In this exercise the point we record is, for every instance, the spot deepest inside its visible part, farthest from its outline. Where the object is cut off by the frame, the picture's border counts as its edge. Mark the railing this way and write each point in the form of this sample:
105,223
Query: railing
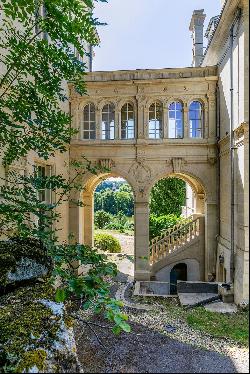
173,239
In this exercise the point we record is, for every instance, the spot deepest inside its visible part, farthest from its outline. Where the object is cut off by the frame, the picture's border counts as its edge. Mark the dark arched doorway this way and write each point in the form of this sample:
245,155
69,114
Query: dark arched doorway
179,272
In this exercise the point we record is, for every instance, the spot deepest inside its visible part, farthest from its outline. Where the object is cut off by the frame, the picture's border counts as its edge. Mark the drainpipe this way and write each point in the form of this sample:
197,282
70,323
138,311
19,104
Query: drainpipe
232,147
232,158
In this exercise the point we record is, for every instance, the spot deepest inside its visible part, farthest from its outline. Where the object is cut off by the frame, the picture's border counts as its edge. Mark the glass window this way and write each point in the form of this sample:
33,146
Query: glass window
195,120
175,120
43,172
128,121
108,122
89,124
155,121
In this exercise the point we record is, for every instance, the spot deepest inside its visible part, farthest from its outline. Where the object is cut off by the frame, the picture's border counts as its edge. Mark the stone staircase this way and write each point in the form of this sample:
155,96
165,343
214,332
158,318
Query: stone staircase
177,239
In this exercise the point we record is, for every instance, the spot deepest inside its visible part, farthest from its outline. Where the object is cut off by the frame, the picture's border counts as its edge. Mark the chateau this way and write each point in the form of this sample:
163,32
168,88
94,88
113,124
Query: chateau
190,123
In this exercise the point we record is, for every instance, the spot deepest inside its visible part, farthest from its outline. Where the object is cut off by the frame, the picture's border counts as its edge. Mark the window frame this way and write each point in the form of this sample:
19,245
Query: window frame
176,119
154,121
88,122
200,119
127,128
111,119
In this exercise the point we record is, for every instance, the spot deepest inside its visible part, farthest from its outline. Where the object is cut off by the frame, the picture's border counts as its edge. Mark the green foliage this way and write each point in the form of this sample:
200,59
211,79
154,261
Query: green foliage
33,118
167,197
121,223
120,200
92,289
22,212
106,242
233,326
102,219
38,58
158,224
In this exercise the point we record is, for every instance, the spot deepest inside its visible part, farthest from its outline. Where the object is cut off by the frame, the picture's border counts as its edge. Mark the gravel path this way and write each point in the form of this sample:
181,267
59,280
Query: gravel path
145,350
160,342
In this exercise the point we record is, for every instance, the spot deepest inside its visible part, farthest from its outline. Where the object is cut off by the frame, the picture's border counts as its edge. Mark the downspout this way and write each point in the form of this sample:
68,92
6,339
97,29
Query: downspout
232,156
219,162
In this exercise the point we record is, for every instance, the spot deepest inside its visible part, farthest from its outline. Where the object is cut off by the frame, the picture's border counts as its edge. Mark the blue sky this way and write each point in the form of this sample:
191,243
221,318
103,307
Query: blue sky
147,34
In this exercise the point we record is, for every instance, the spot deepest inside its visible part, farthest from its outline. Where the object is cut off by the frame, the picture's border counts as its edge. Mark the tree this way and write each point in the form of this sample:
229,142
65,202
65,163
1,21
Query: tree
125,202
38,39
37,42
167,197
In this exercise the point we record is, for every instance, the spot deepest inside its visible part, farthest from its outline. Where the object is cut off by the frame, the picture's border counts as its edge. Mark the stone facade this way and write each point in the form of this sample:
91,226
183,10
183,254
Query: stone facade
203,162
143,161
229,50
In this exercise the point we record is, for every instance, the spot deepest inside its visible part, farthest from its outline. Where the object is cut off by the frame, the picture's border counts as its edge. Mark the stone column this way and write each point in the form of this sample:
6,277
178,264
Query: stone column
140,132
75,223
200,204
118,130
165,121
211,225
185,121
142,269
98,124
88,219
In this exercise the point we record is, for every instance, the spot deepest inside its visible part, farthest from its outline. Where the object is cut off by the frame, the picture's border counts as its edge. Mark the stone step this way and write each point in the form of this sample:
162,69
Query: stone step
197,287
189,299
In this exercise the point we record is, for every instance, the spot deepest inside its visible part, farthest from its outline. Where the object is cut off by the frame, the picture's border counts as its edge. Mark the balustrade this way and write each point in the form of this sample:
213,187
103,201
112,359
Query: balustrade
174,238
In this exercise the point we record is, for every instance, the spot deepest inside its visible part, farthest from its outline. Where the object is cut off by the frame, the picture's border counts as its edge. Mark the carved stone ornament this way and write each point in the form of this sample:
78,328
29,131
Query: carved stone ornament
177,164
212,160
106,163
140,172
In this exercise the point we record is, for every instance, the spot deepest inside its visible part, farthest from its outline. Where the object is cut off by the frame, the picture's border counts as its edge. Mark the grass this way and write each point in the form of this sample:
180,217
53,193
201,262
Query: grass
232,326
221,325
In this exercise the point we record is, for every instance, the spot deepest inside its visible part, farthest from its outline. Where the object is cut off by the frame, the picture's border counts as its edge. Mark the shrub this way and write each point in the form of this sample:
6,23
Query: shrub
102,219
161,223
107,242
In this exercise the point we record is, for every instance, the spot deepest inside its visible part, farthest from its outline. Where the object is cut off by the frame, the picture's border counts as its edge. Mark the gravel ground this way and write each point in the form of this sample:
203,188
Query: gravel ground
150,348
160,342
145,350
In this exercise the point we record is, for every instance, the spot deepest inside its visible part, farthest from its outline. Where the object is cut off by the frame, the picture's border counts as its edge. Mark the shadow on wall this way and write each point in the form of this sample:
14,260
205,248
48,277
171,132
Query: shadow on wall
192,272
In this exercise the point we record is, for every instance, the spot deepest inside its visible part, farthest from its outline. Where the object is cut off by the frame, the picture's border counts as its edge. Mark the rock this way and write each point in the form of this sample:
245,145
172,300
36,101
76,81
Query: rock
27,269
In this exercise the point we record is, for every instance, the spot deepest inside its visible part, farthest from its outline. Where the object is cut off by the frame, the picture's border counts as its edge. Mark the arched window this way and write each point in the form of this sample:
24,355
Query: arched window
175,123
108,122
155,121
89,123
195,120
128,121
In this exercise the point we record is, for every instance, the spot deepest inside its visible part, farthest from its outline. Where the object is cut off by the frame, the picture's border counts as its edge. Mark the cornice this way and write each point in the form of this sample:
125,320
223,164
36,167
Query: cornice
221,32
156,75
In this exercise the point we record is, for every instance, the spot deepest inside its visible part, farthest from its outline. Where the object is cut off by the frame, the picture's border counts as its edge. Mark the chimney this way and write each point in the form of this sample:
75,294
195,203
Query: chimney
197,27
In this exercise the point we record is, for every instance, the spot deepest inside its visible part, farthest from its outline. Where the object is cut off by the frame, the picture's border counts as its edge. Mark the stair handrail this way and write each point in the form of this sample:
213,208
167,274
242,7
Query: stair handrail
170,243
170,230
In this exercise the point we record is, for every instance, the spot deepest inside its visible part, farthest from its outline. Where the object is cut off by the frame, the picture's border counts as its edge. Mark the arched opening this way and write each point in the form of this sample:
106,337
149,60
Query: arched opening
177,225
108,219
178,273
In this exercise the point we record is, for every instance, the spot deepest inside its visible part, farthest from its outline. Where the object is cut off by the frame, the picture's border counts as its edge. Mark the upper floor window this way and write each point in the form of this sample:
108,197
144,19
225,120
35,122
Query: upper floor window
89,122
128,121
195,120
175,123
108,122
155,121
42,172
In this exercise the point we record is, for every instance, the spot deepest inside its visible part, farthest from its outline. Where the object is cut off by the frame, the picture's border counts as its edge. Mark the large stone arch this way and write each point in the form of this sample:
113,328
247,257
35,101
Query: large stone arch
205,194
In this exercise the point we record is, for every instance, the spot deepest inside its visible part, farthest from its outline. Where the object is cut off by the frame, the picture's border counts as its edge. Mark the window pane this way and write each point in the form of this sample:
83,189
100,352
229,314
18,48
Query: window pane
127,121
195,119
